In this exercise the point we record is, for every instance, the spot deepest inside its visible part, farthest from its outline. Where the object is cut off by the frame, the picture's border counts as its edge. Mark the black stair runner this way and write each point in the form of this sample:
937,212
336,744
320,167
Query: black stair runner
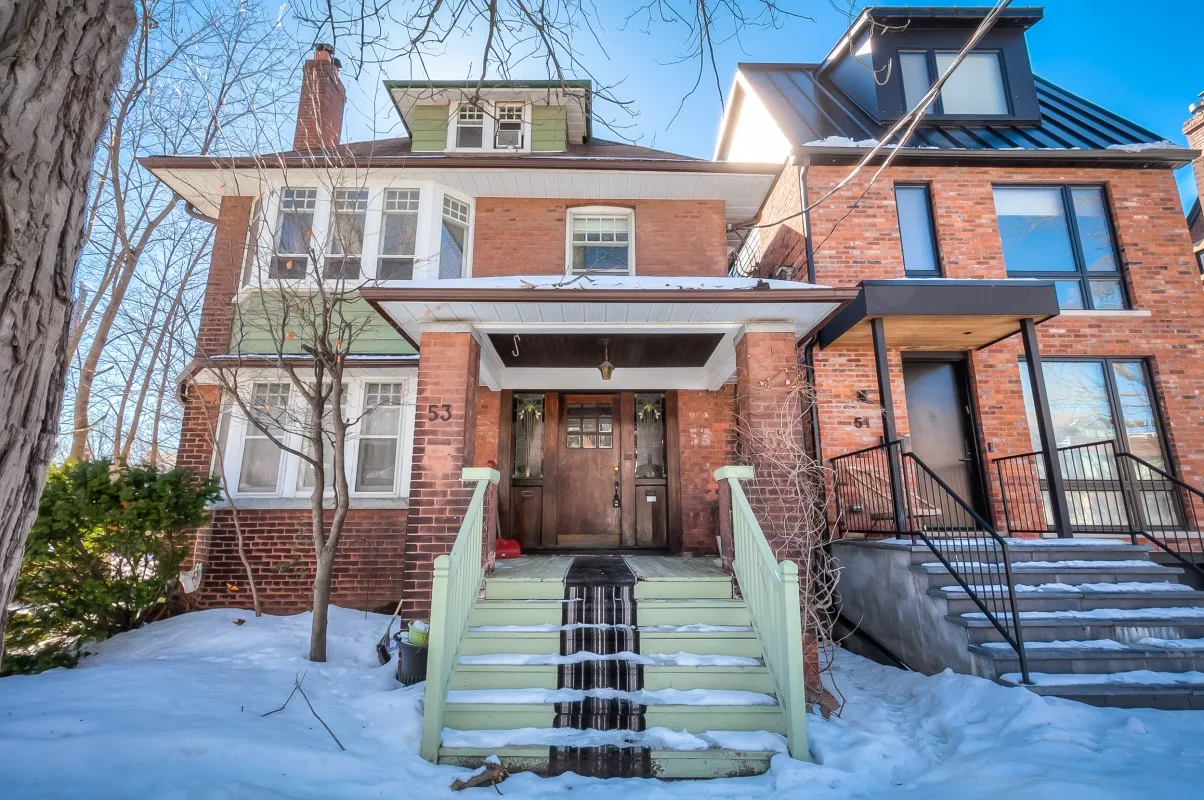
600,590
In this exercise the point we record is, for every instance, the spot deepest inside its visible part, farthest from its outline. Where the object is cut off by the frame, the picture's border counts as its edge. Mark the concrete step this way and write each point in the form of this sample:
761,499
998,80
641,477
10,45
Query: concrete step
666,764
1166,595
1094,657
1036,550
1142,689
1070,571
1125,625
691,612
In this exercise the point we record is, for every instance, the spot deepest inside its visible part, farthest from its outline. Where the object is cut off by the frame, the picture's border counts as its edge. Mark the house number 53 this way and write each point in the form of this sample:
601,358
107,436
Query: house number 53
440,413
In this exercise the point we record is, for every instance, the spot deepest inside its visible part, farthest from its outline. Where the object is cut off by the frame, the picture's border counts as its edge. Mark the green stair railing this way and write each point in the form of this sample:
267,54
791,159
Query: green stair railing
771,591
454,591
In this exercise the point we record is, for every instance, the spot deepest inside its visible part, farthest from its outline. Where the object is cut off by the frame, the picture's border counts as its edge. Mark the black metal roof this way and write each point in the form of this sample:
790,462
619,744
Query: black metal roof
810,109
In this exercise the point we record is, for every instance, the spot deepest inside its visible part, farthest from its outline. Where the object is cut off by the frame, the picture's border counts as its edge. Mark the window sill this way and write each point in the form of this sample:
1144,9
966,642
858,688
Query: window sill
254,503
1090,312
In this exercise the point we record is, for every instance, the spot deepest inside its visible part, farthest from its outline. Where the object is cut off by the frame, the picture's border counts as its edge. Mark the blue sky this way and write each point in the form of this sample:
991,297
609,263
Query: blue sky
1145,65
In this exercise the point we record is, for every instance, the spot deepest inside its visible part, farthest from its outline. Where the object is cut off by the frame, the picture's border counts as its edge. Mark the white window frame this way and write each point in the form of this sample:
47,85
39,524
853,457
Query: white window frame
374,230
290,464
431,271
599,211
489,132
311,255
331,236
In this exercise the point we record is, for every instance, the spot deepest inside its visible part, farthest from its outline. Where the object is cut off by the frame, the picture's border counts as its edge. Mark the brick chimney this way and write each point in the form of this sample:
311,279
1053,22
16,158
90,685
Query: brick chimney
320,111
1194,130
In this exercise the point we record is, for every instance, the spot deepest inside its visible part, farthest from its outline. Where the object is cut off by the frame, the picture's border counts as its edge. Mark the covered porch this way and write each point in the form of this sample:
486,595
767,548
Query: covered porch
606,403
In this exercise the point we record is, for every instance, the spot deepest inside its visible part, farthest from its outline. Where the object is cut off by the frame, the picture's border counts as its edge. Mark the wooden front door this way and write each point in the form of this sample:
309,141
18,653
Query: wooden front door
588,476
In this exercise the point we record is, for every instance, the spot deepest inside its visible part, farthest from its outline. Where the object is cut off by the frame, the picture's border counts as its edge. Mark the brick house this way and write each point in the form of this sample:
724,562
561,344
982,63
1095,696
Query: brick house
1193,129
998,327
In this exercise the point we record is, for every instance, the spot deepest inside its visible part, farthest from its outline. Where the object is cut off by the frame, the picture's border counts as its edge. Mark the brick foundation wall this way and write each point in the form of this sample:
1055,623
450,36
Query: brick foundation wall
525,236
707,435
279,546
1162,280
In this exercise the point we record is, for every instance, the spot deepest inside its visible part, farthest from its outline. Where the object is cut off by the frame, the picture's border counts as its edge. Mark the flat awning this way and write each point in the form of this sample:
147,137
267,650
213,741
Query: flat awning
663,333
940,314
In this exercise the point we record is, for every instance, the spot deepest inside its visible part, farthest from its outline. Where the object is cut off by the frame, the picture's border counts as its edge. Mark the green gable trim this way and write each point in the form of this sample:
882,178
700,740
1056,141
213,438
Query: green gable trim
428,128
549,129
260,326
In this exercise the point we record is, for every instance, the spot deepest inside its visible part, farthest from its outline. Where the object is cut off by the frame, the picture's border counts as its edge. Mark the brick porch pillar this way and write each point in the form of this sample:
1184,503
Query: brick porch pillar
444,434
766,373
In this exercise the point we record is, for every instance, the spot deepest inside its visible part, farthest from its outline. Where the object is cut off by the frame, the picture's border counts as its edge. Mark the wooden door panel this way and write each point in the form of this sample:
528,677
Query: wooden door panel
526,515
587,471
651,516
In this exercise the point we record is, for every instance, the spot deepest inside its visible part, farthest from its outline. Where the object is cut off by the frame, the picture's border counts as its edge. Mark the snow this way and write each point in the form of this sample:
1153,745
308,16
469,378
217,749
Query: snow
548,627
841,141
1021,566
1082,644
1106,613
1137,147
643,697
653,659
173,712
657,738
1119,588
600,282
1137,677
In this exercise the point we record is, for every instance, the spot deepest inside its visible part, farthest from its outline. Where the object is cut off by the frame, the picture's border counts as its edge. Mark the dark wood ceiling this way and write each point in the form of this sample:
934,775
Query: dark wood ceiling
627,350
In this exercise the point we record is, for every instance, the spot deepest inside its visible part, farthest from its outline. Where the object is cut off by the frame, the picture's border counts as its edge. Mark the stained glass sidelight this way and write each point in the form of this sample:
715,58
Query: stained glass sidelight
650,435
528,436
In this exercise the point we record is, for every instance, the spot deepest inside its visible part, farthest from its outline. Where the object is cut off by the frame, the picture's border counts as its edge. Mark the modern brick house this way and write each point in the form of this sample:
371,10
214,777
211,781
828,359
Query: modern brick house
1001,330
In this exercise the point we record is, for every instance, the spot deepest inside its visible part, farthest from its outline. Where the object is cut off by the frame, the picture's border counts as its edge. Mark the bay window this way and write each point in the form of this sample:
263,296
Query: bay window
379,413
453,240
1062,233
398,235
348,208
293,230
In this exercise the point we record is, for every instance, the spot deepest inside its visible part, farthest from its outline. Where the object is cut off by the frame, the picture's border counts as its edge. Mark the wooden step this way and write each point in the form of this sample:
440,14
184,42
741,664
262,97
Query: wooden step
692,611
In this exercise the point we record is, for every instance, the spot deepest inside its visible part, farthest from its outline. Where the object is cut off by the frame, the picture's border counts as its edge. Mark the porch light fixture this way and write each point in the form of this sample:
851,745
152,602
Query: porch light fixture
606,368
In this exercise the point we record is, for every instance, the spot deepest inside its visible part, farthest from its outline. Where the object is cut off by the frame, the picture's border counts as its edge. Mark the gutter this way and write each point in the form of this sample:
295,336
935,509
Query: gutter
1161,157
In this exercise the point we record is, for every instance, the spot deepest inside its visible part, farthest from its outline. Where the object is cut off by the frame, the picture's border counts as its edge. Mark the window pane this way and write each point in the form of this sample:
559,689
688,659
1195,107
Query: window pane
1070,295
377,464
399,231
287,267
1107,295
394,269
1094,235
451,249
1078,403
341,268
915,229
1033,229
975,87
260,465
1137,411
916,83
295,227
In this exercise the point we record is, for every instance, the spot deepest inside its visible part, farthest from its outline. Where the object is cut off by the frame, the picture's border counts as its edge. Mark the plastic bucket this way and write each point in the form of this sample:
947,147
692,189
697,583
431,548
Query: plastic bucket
411,662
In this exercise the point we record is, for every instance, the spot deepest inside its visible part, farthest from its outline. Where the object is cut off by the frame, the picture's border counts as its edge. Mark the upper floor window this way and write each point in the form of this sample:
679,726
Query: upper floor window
293,231
453,241
916,230
600,241
509,133
470,126
976,87
348,207
1062,233
398,235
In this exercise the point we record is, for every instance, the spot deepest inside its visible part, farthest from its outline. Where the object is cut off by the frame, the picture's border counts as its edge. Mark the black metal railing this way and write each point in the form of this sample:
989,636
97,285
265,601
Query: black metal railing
877,488
1108,491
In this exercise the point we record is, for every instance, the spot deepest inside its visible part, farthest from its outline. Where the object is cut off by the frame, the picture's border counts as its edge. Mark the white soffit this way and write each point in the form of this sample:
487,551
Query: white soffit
741,192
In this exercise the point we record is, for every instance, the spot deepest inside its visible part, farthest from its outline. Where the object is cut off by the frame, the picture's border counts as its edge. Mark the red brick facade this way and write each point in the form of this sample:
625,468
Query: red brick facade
707,442
1166,326
524,236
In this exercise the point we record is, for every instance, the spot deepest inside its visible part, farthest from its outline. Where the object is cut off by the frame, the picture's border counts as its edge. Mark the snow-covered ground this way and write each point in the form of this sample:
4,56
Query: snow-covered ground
174,711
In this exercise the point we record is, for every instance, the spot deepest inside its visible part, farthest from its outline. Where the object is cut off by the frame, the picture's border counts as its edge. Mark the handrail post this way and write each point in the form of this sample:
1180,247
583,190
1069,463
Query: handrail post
796,692
436,696
1017,628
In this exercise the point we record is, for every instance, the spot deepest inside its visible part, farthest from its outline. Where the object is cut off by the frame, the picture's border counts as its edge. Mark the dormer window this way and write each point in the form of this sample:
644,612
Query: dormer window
509,126
976,88
470,127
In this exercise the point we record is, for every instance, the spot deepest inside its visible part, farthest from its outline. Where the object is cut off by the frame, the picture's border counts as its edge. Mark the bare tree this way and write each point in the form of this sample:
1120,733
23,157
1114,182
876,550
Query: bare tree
59,62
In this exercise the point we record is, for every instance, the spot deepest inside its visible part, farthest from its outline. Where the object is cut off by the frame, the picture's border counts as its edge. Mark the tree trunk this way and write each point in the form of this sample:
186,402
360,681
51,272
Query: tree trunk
59,62
323,572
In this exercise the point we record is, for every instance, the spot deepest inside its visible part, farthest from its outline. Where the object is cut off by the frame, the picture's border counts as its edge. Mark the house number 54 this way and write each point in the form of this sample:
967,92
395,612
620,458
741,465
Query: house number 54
441,413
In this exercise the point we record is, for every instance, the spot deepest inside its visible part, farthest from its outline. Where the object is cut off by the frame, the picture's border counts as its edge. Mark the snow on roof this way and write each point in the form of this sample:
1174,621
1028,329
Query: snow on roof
600,282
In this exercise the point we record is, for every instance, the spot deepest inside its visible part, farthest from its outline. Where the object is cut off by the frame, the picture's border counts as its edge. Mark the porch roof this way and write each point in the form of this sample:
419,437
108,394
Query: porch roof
557,307
939,313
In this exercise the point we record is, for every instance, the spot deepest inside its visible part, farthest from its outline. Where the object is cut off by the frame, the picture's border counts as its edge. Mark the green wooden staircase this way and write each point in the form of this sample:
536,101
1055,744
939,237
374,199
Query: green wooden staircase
708,702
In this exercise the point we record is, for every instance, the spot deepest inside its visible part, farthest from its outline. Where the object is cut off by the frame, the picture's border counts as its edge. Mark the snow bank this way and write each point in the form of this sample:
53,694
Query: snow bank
175,710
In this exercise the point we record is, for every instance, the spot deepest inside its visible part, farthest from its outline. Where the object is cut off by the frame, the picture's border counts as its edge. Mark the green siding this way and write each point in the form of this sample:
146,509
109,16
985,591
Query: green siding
257,329
549,129
428,128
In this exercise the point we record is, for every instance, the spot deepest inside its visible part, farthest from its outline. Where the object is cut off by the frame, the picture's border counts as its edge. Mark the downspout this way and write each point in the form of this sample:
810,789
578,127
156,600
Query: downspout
809,348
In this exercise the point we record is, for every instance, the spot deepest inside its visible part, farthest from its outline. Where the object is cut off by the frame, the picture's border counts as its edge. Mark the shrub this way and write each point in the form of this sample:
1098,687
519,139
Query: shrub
101,558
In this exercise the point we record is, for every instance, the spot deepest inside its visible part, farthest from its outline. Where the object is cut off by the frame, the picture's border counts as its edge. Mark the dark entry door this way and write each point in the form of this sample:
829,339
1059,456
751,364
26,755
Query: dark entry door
588,476
942,428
